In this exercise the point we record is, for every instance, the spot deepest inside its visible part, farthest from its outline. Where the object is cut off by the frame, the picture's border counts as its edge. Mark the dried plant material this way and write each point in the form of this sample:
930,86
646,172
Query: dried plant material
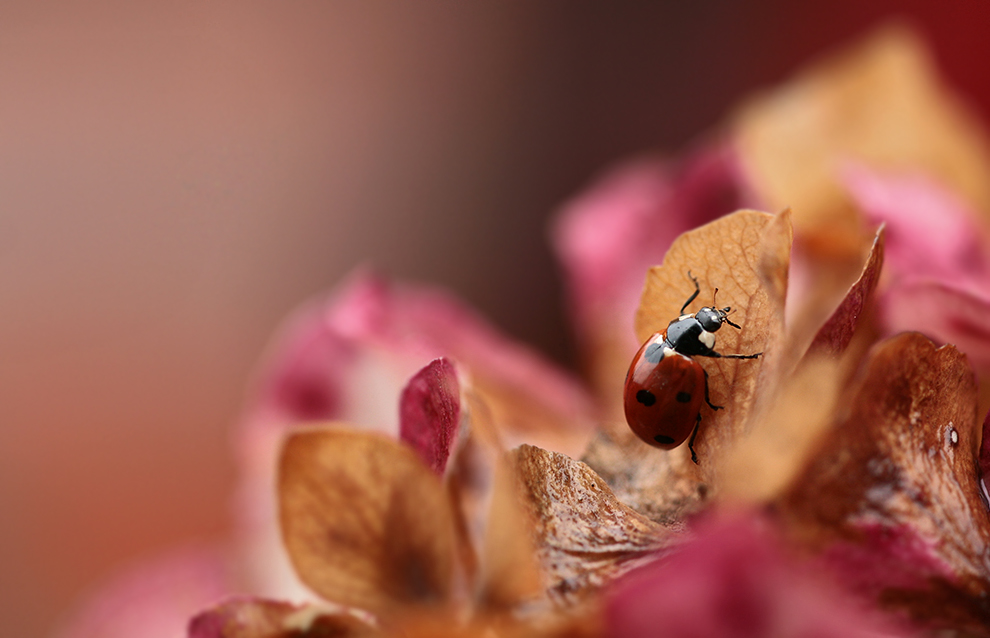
985,453
735,579
766,460
745,255
837,332
366,523
891,497
259,618
511,573
430,413
880,103
585,536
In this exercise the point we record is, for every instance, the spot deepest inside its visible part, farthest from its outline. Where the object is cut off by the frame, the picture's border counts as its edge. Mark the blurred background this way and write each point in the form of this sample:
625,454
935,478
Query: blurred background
176,177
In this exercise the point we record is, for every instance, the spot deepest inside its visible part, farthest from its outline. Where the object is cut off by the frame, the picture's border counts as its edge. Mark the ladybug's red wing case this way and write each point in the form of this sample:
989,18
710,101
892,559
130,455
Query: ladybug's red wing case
663,399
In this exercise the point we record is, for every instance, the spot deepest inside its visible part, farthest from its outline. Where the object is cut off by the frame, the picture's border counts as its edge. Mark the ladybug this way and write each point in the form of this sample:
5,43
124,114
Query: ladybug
665,386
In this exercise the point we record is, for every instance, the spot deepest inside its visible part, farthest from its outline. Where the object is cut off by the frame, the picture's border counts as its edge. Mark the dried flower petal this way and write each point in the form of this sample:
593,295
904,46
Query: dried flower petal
835,335
586,537
745,255
430,413
892,499
366,523
260,618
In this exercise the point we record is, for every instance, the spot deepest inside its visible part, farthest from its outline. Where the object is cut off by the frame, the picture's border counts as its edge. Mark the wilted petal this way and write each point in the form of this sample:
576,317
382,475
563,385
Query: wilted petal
745,256
735,580
833,337
154,600
586,537
430,413
260,618
891,497
366,523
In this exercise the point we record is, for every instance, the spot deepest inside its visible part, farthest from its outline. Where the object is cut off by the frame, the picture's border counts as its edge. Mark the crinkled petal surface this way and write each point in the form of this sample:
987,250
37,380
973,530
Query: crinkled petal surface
366,522
585,536
892,499
260,618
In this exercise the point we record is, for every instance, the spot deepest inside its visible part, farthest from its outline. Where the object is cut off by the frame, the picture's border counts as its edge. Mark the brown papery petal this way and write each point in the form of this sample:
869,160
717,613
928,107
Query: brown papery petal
585,536
746,256
891,497
260,618
366,523
836,334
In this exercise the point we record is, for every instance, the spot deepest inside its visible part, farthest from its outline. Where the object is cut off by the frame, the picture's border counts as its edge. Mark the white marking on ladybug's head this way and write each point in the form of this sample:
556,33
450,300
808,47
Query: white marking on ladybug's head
669,352
707,339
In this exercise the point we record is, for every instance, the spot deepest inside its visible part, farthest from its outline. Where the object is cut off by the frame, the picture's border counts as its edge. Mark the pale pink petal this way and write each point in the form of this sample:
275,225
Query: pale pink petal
349,357
154,600
942,312
931,233
430,412
735,580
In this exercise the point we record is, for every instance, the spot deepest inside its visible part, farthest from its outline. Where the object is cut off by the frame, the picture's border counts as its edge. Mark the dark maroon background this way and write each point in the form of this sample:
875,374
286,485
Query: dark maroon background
175,177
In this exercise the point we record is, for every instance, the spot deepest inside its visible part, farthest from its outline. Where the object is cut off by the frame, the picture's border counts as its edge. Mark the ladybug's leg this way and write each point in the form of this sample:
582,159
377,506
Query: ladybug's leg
694,433
694,295
707,400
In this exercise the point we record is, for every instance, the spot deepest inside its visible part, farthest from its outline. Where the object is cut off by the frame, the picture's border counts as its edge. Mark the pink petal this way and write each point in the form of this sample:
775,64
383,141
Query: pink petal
154,600
609,236
931,233
942,312
734,580
349,357
430,411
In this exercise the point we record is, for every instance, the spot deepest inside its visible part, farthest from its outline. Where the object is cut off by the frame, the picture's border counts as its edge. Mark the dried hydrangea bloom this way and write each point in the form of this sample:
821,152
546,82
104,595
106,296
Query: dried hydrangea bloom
850,466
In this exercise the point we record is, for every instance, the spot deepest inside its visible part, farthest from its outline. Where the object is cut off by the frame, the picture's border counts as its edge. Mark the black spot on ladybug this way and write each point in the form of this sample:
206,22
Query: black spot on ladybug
684,397
646,397
663,440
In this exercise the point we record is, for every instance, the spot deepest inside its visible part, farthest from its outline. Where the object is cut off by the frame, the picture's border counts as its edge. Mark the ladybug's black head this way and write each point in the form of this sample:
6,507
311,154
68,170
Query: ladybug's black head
712,318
